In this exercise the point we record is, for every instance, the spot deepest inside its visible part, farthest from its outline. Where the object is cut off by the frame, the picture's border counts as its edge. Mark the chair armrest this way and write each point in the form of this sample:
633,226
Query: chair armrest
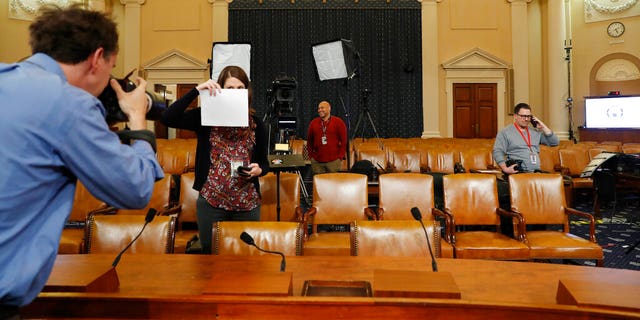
170,210
370,214
582,214
306,218
300,214
448,220
521,225
105,210
522,228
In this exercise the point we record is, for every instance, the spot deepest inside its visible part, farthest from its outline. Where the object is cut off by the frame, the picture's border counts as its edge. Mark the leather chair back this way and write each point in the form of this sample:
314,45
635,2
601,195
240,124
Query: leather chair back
476,159
83,203
574,160
112,233
339,198
441,160
394,238
289,196
399,192
281,236
472,198
404,160
376,156
539,197
187,199
160,198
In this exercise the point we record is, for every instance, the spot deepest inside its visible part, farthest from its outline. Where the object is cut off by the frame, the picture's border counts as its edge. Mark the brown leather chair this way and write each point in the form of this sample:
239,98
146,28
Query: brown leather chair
187,221
394,238
376,156
338,199
160,199
289,196
112,233
84,203
404,160
550,158
478,160
471,201
539,199
572,162
173,159
399,192
281,236
441,160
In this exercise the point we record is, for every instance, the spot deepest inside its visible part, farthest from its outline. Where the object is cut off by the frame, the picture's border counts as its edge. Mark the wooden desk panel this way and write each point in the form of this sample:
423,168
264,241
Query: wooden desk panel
171,286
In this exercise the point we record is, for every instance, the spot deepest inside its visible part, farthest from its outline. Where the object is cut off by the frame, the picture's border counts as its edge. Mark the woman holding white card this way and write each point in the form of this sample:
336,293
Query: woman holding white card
229,160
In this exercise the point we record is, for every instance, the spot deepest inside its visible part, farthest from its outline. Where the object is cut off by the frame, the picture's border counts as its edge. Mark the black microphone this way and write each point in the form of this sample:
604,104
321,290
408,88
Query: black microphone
415,212
150,214
248,239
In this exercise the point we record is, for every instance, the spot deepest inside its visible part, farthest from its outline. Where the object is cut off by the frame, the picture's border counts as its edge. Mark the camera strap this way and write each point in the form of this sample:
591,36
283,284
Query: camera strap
126,135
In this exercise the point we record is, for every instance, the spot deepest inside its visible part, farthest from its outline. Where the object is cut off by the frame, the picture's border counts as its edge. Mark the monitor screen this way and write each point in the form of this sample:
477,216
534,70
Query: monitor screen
612,112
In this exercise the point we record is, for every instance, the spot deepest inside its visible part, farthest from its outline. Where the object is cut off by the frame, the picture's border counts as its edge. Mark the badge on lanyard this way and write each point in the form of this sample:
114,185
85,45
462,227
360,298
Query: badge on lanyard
534,158
324,139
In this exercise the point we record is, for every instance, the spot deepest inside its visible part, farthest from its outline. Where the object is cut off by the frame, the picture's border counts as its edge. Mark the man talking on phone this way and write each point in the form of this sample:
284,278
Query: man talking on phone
517,146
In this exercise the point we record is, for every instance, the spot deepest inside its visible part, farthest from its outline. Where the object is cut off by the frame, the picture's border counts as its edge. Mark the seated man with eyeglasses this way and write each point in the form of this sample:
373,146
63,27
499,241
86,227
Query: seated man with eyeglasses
516,148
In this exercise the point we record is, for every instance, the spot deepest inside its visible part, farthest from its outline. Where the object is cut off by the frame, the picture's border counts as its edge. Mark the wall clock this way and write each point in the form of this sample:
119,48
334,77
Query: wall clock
615,29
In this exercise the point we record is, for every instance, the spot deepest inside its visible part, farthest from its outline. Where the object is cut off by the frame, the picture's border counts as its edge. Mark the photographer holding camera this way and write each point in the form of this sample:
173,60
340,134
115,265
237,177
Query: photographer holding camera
54,133
516,148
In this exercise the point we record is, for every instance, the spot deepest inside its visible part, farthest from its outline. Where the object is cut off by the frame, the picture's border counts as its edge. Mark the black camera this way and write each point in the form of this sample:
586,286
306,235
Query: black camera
283,90
511,162
109,100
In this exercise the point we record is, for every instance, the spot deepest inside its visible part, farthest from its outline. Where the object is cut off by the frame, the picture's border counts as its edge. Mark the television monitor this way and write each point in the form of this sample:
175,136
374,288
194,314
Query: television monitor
612,112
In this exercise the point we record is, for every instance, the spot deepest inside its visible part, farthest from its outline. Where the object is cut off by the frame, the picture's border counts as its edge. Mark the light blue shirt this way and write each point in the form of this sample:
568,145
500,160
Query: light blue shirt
53,133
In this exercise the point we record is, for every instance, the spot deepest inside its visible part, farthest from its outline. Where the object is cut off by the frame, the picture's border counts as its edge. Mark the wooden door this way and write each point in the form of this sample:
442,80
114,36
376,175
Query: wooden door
183,89
475,110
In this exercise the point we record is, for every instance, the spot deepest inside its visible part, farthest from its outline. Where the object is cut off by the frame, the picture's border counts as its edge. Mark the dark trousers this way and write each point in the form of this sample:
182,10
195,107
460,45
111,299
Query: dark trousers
208,215
9,313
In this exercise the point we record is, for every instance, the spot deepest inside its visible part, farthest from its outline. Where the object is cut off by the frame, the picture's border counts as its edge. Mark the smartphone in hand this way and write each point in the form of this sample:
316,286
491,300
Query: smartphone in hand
534,122
243,171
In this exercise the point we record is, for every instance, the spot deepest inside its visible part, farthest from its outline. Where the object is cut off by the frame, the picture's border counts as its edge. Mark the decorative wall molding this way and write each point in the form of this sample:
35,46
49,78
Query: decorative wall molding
28,9
599,10
476,66
618,70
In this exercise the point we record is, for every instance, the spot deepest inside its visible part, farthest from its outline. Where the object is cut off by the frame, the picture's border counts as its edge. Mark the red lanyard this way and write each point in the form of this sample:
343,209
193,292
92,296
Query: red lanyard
528,142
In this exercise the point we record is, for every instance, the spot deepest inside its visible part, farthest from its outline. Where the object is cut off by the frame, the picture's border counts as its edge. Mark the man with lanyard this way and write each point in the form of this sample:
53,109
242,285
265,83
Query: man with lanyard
517,142
326,141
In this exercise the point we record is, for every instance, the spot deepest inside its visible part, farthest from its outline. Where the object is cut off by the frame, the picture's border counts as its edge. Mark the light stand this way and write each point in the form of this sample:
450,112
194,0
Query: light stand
569,104
338,59
364,112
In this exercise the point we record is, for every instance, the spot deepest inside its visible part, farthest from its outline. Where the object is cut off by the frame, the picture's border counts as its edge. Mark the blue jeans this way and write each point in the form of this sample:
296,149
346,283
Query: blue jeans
208,215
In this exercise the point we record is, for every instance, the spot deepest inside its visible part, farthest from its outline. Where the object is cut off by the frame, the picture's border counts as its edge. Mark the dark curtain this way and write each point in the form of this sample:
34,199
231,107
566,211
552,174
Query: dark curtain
389,44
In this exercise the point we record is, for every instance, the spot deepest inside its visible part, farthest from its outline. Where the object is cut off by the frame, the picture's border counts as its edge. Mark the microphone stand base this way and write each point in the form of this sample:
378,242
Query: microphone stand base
414,284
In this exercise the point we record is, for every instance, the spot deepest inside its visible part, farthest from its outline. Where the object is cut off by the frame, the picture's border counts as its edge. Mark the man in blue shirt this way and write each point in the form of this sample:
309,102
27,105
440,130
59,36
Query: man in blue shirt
54,132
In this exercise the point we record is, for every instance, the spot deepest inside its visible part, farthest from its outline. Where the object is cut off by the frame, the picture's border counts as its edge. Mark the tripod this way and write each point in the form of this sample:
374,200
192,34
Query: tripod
364,112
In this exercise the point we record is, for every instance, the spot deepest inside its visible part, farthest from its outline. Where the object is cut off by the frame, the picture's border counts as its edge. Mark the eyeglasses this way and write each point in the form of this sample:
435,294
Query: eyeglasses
525,116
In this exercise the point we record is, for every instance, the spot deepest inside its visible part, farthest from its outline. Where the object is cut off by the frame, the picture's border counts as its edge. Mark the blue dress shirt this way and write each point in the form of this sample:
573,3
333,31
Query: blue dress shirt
52,134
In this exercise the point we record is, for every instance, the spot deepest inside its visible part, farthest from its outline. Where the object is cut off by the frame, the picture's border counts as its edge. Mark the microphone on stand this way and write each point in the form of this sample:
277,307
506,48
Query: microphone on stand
150,214
248,239
415,212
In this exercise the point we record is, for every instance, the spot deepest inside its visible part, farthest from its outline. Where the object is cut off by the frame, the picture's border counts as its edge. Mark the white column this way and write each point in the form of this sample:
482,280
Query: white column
555,109
520,50
131,48
220,20
430,65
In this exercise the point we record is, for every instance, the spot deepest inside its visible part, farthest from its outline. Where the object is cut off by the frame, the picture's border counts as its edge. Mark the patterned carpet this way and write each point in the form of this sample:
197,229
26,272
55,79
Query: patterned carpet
618,232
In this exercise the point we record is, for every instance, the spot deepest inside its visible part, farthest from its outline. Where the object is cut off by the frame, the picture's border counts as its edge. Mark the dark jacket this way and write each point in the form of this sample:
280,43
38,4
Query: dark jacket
177,117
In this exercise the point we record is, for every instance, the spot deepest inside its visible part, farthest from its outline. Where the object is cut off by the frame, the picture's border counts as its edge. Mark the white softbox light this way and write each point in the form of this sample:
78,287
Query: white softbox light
335,59
225,54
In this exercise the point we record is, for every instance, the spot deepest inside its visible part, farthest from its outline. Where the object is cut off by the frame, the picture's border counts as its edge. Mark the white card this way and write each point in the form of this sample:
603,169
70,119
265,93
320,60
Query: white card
228,108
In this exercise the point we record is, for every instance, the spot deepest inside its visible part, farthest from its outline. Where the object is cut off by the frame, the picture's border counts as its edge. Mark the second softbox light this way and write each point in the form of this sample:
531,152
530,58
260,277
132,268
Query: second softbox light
335,59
